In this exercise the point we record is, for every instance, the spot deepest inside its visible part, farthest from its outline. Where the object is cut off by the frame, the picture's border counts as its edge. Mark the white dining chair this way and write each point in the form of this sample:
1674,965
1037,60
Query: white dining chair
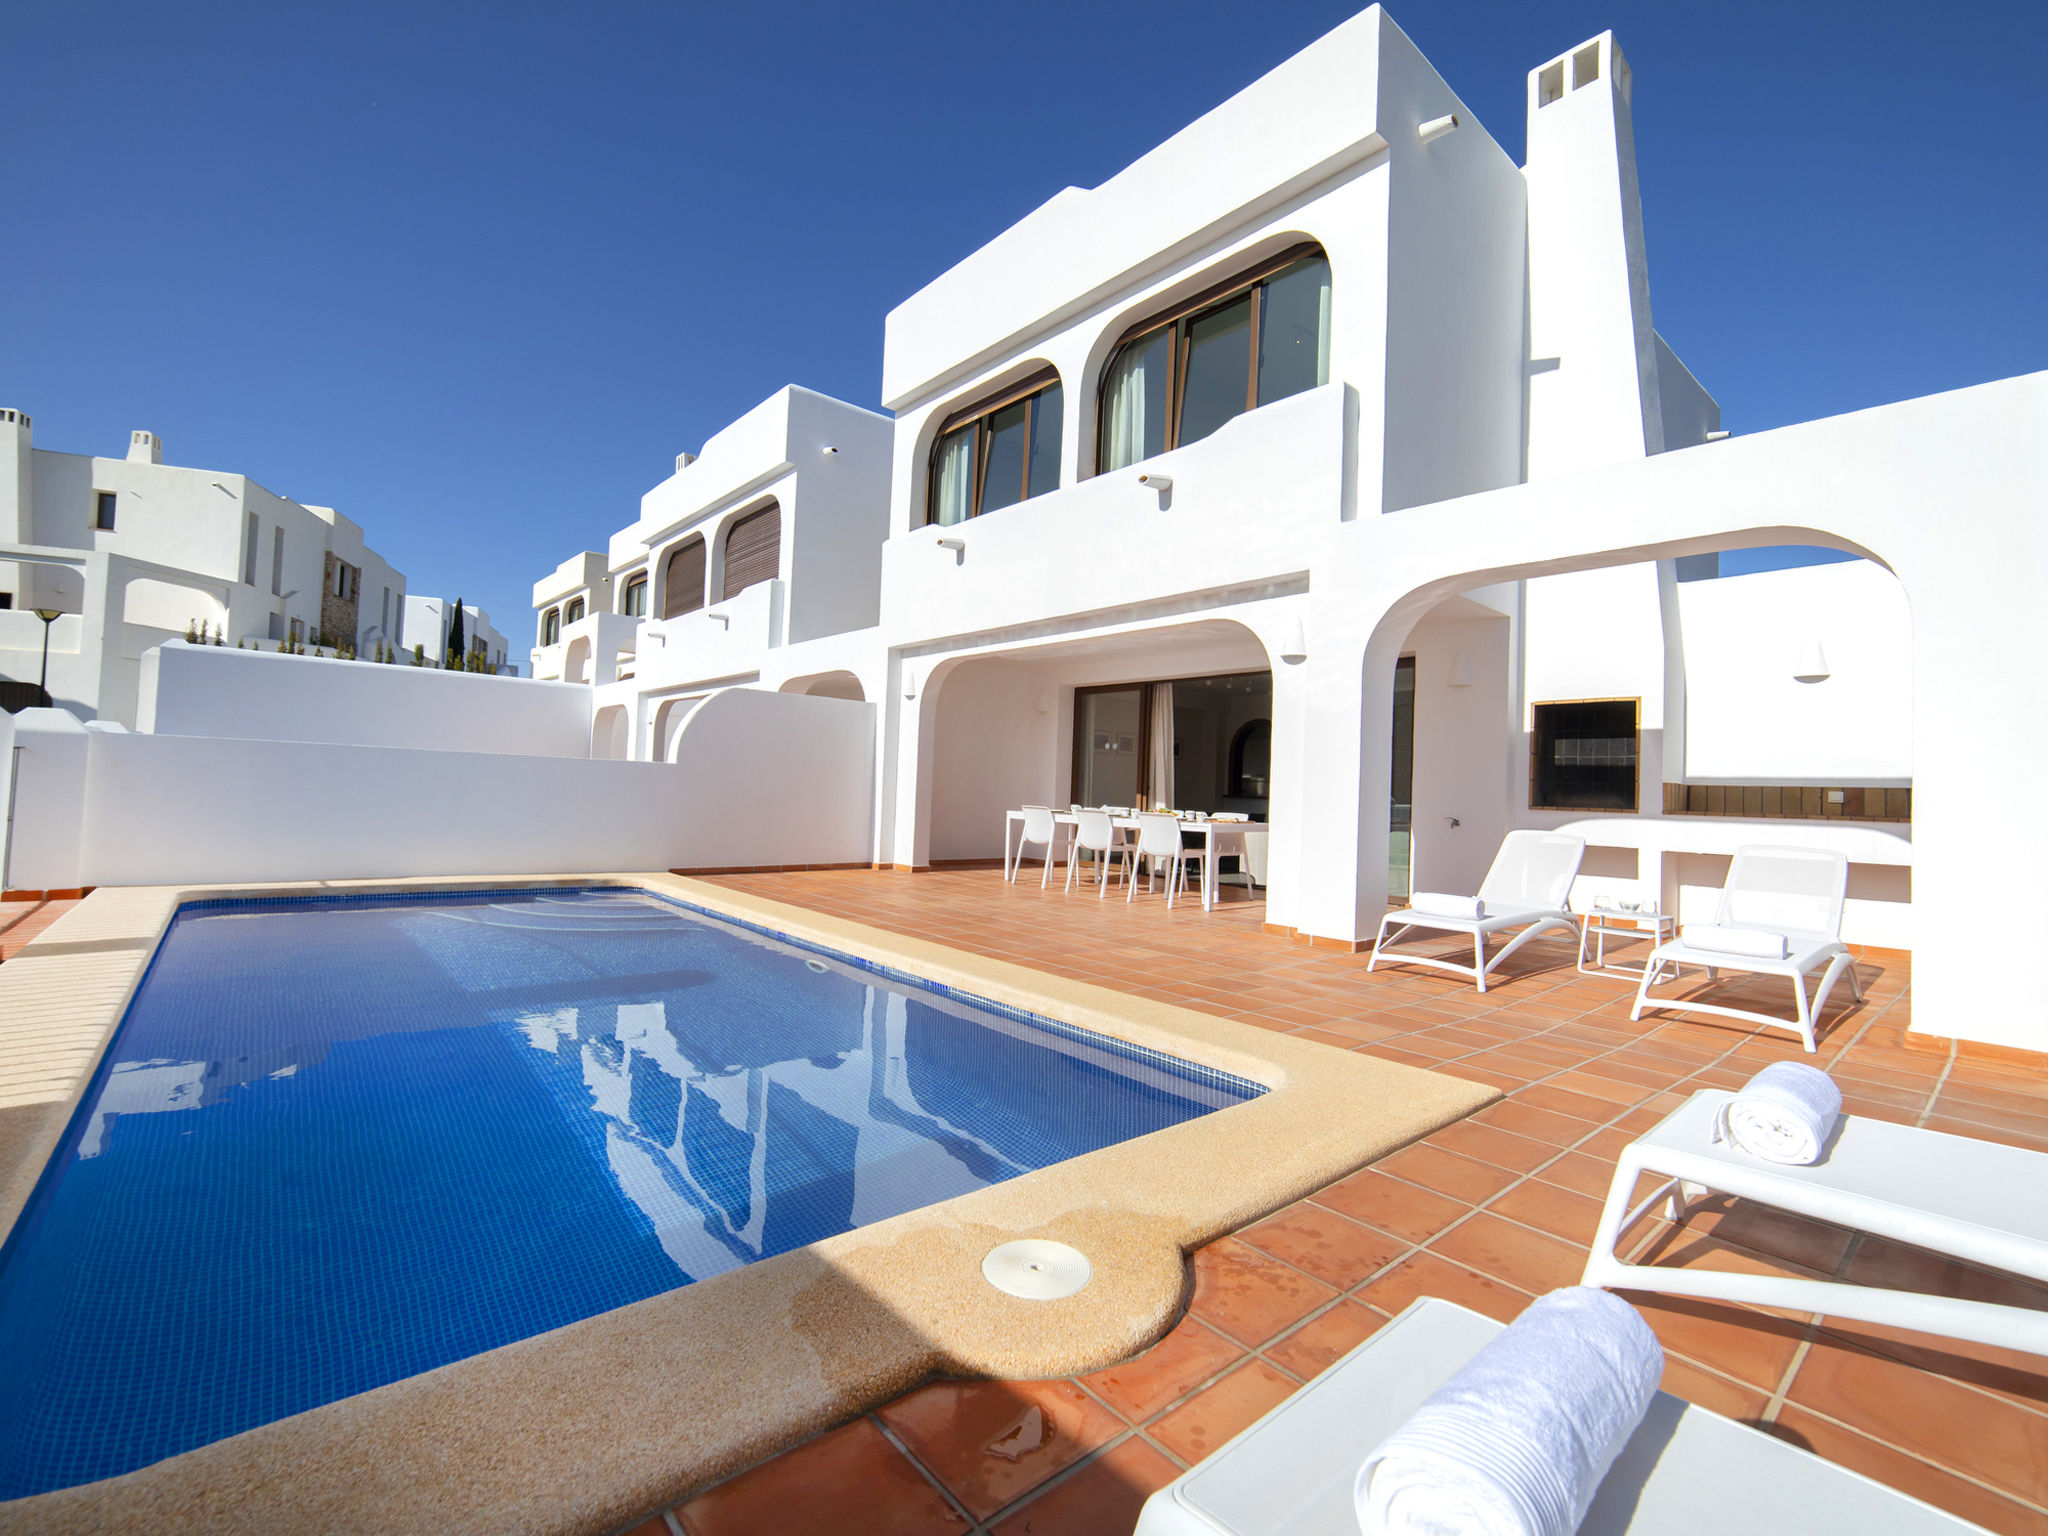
1040,830
1158,841
1094,833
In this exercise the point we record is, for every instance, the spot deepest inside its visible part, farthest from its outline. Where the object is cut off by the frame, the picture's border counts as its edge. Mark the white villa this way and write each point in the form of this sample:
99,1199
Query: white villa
1324,466
134,551
426,626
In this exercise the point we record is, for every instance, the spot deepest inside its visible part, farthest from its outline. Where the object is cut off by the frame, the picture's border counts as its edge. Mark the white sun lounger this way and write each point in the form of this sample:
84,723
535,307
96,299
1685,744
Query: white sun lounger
1793,892
1686,1469
1528,887
1978,1201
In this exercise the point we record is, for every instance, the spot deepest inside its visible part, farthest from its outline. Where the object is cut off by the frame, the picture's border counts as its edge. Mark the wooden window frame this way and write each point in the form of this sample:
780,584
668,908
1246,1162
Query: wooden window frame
551,626
573,610
1027,388
1636,794
637,582
1180,317
1144,752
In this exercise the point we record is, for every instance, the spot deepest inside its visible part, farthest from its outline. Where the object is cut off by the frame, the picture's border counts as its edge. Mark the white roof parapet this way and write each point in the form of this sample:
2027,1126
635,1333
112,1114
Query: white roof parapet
1295,125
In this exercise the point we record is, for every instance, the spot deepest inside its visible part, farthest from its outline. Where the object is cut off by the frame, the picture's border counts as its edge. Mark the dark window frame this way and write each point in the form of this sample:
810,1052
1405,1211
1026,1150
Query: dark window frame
1181,317
1538,735
104,509
1144,747
636,586
551,627
1028,389
572,611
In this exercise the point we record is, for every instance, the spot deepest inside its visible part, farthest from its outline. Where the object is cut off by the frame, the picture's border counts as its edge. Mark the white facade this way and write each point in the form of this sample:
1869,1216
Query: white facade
134,551
426,626
1487,487
694,598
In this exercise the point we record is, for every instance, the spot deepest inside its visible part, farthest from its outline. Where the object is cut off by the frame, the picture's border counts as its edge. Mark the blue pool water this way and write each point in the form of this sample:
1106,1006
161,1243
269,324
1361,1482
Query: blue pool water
339,1142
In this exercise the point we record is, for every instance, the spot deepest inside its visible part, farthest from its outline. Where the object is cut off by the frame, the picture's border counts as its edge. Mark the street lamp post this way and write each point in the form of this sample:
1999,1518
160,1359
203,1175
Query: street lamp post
49,617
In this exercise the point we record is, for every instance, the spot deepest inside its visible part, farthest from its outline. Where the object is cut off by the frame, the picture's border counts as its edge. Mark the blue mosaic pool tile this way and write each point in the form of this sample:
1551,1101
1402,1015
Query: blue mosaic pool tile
339,1141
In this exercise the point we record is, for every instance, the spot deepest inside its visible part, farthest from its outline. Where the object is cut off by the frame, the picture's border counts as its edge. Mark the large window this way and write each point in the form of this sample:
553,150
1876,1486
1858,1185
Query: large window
1583,756
1180,375
998,453
682,580
753,551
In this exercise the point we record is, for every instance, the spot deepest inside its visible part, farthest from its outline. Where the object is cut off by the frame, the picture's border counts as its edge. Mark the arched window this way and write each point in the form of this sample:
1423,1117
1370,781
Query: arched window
551,627
753,551
574,611
1251,761
633,601
682,579
996,453
1179,375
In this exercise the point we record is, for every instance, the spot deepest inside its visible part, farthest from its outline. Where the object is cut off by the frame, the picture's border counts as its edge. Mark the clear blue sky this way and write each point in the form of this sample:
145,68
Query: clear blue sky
475,273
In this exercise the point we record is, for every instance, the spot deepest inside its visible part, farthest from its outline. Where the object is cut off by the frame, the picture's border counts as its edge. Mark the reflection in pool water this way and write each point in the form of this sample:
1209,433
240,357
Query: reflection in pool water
340,1143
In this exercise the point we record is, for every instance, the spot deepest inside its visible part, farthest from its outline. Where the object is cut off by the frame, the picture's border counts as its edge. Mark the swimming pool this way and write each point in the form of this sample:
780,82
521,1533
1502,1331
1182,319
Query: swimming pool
337,1142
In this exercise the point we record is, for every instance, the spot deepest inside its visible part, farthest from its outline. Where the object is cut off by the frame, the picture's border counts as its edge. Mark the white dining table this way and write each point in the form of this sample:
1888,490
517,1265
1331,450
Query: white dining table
1220,840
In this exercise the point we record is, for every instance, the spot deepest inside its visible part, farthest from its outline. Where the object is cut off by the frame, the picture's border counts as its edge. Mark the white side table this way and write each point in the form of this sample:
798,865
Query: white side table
1601,921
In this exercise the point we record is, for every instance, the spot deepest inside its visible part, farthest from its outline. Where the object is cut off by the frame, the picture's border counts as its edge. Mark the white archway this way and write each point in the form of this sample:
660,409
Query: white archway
611,734
576,660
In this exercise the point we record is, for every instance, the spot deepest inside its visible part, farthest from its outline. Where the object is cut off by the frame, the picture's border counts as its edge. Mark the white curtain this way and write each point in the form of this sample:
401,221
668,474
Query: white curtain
1125,424
954,497
1159,772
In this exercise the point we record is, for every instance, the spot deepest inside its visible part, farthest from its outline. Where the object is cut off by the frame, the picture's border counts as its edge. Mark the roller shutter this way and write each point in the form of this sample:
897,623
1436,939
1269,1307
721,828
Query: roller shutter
753,550
682,581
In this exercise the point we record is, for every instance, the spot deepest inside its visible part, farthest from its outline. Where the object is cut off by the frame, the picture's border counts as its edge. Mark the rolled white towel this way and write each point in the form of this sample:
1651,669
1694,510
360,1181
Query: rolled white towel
1784,1114
1516,1443
1756,943
1431,904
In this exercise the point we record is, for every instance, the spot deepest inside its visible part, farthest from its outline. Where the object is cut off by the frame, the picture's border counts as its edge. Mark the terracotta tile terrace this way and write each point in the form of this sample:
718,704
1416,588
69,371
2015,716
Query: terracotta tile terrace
1489,1212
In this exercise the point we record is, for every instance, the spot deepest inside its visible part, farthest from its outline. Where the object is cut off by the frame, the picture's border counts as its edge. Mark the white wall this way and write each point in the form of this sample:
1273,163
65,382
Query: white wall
1463,762
261,695
767,779
1457,224
1749,720
993,751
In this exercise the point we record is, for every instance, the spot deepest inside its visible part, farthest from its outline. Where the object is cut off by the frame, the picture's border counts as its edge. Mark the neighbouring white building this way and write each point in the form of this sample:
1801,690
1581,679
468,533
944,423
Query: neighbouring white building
757,563
426,626
134,551
1324,464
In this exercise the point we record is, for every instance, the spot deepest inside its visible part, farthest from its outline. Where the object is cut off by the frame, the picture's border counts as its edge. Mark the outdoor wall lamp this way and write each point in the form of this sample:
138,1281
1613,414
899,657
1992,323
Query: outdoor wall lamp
910,682
723,618
1436,128
1294,649
958,546
1812,666
49,616
1163,484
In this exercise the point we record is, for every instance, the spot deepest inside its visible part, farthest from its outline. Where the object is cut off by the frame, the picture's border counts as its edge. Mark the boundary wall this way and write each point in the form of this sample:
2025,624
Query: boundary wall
760,779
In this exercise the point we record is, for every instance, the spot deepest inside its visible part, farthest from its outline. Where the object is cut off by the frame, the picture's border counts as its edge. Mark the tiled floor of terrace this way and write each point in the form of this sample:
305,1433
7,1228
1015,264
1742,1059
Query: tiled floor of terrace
1489,1212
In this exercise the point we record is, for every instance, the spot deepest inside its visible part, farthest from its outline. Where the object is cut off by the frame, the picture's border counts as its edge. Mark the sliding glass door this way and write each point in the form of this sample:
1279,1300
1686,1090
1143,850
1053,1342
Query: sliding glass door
1109,745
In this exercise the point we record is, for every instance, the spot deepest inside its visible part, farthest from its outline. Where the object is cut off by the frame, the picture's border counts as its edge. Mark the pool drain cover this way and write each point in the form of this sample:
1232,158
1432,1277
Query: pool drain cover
1036,1269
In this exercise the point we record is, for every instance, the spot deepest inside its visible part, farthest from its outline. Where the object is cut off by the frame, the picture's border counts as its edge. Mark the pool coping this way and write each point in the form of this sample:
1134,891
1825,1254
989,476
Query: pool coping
588,1427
